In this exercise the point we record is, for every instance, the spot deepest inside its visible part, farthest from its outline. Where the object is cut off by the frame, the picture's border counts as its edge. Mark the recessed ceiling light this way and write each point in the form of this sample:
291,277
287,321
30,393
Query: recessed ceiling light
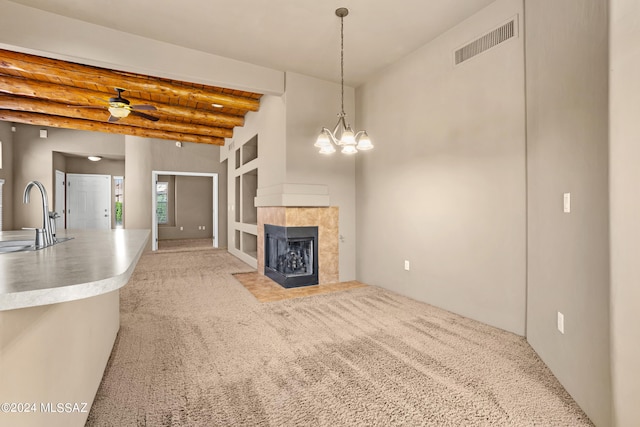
94,158
217,105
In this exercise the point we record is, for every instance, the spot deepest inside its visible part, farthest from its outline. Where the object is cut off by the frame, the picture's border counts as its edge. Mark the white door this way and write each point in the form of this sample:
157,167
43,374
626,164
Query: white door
60,198
88,201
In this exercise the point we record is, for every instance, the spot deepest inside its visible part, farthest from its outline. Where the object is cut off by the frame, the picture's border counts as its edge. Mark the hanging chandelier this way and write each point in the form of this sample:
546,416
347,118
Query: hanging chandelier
342,134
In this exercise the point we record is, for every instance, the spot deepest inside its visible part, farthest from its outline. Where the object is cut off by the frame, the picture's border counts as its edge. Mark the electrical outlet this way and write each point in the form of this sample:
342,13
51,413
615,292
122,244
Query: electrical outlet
407,266
204,227
561,322
181,228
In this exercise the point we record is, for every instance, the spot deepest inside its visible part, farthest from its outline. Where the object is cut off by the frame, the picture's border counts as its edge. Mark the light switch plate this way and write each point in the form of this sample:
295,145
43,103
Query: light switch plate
567,202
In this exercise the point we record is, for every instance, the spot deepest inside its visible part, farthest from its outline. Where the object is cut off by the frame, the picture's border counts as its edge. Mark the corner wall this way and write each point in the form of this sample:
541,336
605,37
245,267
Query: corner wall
311,104
624,111
567,152
444,187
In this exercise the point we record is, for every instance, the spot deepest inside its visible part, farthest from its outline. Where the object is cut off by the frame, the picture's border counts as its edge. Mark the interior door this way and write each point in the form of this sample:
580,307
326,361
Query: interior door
89,201
60,199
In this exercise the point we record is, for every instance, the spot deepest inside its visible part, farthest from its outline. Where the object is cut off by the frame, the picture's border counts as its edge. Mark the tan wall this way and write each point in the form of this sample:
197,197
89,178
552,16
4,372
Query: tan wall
624,159
103,167
52,353
145,155
6,173
33,160
444,187
190,208
567,151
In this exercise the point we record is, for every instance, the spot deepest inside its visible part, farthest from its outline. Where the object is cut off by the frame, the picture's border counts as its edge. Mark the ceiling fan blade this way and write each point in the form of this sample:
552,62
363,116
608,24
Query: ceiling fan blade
113,119
144,116
143,107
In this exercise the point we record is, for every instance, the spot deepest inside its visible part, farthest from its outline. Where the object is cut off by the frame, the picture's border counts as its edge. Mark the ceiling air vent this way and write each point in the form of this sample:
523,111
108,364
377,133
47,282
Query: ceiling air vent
486,42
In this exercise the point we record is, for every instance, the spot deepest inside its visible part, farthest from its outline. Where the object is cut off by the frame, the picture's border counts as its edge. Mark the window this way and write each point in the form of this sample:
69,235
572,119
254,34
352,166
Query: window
162,205
119,199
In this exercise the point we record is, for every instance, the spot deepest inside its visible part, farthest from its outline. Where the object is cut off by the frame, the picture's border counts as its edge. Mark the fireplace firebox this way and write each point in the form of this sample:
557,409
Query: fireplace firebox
291,255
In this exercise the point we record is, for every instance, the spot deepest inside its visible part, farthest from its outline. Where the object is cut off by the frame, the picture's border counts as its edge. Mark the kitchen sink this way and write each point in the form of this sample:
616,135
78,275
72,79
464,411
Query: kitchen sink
17,246
7,246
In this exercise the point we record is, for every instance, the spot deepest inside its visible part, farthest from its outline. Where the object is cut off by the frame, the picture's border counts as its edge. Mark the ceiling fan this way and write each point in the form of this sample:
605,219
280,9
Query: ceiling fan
120,108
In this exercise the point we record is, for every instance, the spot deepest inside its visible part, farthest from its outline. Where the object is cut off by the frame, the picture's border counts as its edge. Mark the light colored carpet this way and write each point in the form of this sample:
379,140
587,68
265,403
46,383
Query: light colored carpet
195,348
183,245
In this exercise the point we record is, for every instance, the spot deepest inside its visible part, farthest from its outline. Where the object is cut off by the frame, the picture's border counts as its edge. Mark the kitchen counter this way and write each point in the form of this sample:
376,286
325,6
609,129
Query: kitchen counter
93,263
59,318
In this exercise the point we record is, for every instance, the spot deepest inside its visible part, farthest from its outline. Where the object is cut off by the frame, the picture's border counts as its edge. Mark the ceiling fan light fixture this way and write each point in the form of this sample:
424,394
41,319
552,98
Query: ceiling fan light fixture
94,158
119,112
342,135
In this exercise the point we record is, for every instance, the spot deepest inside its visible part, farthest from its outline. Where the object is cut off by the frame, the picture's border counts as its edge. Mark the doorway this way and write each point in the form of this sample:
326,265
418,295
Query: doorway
60,200
88,201
157,206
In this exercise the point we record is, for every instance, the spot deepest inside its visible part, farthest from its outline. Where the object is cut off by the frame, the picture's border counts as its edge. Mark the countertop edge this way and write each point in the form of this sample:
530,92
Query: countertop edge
40,297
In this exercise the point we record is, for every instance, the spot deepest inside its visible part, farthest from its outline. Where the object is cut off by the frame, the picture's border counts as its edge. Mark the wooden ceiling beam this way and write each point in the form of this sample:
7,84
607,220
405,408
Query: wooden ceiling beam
77,96
18,103
71,123
52,68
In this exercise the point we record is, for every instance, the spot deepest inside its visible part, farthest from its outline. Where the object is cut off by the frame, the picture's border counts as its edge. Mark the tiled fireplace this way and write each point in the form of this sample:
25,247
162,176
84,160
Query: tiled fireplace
326,221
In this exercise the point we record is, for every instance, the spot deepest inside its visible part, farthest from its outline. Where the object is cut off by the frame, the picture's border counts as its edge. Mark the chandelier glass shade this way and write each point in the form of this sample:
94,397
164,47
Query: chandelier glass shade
342,136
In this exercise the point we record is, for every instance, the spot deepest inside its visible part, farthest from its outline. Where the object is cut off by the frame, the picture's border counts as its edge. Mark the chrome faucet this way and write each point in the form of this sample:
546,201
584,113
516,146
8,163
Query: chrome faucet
44,236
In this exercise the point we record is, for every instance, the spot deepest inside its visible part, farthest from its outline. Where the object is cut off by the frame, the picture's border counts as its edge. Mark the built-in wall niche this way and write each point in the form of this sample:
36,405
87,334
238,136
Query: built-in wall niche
243,184
250,150
250,244
238,199
249,190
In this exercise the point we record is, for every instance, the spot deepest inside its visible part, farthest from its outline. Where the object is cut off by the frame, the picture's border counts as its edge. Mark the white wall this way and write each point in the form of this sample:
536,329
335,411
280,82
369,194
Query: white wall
59,37
625,209
269,125
444,187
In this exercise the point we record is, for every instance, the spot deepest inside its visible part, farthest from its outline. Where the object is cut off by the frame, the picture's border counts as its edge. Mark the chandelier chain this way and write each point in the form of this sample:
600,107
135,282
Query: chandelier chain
342,63
342,135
